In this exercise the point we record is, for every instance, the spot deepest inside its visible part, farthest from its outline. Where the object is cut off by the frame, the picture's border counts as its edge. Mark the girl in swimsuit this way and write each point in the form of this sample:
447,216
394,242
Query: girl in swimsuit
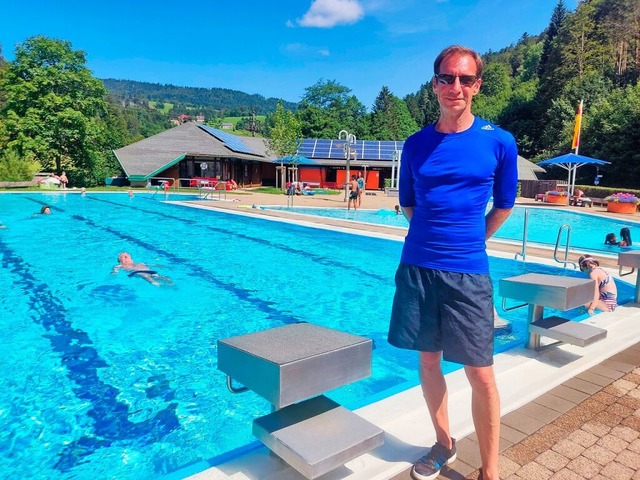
606,293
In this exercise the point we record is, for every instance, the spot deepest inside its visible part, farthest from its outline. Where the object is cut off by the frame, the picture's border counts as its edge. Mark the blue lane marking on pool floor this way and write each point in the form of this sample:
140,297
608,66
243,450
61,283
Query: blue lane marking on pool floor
321,260
110,417
196,270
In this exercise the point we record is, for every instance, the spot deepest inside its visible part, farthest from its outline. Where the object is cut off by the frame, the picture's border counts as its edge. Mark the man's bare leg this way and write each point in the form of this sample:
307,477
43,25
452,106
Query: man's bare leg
485,408
434,390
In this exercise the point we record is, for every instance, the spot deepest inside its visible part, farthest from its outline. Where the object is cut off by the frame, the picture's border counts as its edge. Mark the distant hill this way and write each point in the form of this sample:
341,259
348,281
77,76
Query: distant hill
223,101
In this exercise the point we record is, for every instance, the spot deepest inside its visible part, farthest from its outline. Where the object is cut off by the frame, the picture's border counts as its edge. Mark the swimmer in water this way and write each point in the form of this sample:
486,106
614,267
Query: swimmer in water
126,263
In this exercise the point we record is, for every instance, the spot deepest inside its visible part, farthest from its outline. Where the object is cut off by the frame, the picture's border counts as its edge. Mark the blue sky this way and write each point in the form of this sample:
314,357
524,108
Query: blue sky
274,48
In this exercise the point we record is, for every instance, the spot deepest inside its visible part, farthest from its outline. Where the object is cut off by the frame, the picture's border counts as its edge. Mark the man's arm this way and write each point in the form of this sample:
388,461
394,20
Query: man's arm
407,212
494,219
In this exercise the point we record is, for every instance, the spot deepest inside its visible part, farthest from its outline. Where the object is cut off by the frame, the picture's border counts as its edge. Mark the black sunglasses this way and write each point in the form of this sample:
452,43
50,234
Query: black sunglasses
465,80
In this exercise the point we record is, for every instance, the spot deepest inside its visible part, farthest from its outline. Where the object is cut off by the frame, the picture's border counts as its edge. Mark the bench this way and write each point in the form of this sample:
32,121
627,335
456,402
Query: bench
291,366
598,201
562,293
581,202
17,184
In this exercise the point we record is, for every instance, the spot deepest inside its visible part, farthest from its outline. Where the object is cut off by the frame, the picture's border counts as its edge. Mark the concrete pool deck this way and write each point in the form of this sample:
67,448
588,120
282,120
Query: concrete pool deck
576,416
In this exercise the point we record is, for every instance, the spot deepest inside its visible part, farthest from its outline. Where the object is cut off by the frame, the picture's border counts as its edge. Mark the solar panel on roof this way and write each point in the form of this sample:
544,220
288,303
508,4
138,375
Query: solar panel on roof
334,149
231,141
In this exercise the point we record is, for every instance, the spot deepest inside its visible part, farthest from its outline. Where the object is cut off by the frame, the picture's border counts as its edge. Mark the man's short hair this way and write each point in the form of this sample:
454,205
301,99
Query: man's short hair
458,50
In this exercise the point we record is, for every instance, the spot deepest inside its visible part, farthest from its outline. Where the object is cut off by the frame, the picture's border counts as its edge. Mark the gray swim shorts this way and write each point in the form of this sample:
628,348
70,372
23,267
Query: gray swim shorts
437,311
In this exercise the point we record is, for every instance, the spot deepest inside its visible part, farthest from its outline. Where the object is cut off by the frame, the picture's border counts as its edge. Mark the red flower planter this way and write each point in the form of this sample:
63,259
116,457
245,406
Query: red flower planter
557,198
622,207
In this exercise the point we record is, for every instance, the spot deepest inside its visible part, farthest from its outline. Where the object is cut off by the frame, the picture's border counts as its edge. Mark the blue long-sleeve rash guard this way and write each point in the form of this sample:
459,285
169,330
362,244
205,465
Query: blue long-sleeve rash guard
448,179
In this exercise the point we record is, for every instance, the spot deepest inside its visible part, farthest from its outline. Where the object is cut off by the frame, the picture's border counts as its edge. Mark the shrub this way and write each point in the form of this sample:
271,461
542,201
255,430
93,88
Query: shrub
16,169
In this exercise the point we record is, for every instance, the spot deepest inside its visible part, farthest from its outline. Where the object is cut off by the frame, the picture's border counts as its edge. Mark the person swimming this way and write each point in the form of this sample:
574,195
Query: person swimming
611,239
142,270
625,237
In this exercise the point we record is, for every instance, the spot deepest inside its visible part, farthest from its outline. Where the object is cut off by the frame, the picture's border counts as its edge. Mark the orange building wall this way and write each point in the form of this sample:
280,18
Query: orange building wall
372,180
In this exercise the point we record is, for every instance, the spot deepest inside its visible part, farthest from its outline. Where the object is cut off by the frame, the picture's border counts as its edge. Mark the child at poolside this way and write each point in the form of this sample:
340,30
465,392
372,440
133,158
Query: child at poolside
606,293
625,238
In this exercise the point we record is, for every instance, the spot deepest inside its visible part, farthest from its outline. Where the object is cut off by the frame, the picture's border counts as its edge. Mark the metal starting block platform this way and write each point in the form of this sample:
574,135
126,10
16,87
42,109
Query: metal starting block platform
291,366
538,291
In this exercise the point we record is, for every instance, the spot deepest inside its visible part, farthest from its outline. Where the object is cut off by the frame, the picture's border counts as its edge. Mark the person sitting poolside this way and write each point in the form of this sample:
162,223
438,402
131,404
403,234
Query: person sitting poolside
578,199
142,270
606,293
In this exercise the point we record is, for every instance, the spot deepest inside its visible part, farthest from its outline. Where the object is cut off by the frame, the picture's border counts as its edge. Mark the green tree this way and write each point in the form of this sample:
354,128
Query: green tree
14,168
558,18
54,108
390,118
423,105
327,107
613,134
284,133
494,93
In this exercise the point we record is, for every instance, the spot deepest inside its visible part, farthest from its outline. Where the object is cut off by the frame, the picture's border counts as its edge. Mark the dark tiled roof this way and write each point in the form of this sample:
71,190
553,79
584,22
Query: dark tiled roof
154,154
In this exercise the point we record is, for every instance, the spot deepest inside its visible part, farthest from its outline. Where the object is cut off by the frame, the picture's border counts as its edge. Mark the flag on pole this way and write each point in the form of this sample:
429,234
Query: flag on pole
576,130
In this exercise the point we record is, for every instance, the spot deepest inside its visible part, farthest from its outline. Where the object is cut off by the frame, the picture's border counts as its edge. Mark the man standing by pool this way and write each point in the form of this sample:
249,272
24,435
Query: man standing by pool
443,305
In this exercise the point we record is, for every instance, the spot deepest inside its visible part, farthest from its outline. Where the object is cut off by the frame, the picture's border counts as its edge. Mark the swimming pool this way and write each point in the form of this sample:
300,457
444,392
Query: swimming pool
587,231
107,376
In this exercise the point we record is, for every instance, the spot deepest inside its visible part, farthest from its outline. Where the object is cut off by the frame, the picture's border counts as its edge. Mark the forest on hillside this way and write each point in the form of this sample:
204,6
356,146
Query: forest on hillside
55,114
211,102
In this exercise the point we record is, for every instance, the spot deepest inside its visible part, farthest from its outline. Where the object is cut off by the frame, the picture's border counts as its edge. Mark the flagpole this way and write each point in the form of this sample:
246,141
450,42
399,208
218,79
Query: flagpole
575,144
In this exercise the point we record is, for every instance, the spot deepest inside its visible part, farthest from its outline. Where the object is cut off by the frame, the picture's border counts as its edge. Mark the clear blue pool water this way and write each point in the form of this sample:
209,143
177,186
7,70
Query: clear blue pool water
587,231
107,376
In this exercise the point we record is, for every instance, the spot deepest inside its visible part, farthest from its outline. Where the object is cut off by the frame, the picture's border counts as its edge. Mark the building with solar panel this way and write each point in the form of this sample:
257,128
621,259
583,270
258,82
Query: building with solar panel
192,152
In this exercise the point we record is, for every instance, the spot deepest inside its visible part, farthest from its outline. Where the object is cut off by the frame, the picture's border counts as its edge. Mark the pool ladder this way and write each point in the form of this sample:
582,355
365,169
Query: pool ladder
565,261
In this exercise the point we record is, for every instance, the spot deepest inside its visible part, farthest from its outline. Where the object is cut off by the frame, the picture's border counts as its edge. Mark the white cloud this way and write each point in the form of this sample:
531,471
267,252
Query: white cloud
329,13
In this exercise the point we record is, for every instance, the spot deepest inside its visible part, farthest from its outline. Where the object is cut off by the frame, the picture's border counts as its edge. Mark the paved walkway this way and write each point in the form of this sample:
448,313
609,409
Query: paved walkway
586,428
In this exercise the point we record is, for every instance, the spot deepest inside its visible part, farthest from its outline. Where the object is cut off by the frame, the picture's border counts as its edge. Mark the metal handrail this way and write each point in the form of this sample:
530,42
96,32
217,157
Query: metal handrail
233,389
509,309
523,252
626,273
566,248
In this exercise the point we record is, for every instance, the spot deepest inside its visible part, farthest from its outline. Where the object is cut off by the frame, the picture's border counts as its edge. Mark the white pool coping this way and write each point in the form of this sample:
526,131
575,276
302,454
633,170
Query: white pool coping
404,417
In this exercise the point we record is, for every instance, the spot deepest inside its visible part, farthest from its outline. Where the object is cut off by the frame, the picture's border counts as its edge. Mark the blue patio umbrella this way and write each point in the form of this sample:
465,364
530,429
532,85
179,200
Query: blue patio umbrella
571,162
295,160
